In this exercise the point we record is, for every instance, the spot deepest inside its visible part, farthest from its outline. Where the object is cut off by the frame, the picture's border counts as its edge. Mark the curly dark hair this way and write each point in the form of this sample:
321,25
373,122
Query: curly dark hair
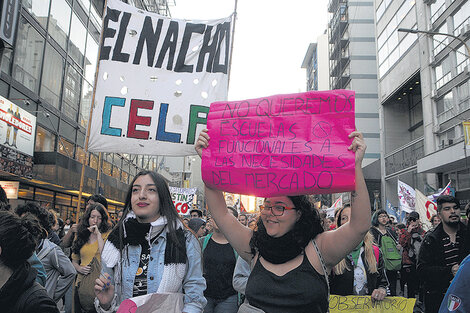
39,212
305,229
18,238
83,234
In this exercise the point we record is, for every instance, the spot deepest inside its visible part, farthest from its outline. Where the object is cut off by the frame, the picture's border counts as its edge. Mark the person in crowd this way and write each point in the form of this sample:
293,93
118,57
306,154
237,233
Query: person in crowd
410,239
97,198
290,239
69,237
252,223
186,221
242,270
198,226
441,253
330,223
195,213
43,216
219,259
19,292
467,213
385,235
92,232
150,251
209,225
68,223
435,220
242,218
59,269
4,202
362,272
457,297
120,215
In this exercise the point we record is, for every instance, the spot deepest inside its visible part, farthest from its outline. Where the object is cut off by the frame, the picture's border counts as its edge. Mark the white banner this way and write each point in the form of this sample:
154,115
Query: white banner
157,77
183,199
17,127
406,196
426,209
11,188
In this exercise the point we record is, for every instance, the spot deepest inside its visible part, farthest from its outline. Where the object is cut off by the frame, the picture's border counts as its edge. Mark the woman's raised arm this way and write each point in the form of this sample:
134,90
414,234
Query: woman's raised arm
238,235
335,245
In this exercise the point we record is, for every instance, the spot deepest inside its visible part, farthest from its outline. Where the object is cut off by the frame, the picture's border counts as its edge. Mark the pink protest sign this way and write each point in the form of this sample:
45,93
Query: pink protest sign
290,144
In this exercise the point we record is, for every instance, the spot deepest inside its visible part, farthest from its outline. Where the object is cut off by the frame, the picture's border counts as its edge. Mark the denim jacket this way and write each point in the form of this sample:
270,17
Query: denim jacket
193,284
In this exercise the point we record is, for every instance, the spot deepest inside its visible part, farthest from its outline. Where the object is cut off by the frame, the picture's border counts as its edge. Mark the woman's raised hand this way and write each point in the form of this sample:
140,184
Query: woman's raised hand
202,142
358,146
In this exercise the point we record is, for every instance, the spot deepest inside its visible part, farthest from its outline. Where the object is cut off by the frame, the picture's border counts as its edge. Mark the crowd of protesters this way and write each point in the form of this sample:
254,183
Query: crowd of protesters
225,260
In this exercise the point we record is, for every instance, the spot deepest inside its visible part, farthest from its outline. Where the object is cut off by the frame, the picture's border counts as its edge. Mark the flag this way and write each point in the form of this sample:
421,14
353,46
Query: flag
391,211
445,191
330,212
407,196
242,207
426,209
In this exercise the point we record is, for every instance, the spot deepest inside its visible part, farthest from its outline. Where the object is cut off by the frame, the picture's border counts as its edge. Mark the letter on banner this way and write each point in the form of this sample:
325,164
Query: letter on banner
290,144
157,77
364,304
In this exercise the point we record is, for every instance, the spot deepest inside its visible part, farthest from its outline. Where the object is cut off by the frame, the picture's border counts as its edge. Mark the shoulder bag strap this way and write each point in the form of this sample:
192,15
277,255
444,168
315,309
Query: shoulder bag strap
323,267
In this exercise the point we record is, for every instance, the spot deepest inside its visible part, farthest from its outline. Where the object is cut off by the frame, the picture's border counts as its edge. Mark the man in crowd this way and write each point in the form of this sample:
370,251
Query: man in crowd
195,213
442,252
410,239
198,226
243,219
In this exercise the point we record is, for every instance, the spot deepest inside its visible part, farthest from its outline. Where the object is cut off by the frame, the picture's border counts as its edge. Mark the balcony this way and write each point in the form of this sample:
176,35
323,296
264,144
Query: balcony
405,157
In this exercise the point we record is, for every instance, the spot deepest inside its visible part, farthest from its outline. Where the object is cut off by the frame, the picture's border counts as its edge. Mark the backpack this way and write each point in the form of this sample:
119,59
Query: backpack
391,255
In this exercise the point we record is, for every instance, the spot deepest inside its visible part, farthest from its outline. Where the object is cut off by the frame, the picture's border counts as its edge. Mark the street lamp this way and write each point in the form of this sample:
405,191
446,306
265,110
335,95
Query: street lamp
415,31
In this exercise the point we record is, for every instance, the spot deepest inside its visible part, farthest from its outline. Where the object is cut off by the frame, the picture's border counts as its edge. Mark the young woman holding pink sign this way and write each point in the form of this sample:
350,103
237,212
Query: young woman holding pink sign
289,253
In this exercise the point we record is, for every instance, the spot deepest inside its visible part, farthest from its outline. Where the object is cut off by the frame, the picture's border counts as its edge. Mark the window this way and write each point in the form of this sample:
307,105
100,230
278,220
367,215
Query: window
107,168
77,40
39,9
436,9
45,140
80,155
72,85
91,57
6,61
28,56
461,18
59,22
439,42
444,107
66,148
462,58
51,83
93,161
85,107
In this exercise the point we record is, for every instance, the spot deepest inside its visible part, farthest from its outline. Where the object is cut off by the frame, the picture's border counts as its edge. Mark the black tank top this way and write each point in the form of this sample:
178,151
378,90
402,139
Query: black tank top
301,290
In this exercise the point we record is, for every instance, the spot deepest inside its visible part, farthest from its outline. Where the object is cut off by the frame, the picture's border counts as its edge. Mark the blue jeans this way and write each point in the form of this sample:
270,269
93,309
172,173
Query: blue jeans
228,305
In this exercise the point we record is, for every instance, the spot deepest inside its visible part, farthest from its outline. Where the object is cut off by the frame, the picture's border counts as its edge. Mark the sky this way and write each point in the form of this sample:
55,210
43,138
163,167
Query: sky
271,40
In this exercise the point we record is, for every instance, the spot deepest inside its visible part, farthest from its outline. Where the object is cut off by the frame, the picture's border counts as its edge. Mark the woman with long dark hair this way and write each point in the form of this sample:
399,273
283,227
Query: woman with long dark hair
150,251
19,292
289,252
92,232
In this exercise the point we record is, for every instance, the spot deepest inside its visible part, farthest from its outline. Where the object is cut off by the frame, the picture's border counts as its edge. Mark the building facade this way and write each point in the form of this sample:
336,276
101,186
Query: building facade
353,65
317,64
424,95
49,71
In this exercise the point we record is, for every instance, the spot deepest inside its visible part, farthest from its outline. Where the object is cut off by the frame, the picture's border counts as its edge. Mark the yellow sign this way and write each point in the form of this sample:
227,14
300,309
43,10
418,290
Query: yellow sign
363,304
466,131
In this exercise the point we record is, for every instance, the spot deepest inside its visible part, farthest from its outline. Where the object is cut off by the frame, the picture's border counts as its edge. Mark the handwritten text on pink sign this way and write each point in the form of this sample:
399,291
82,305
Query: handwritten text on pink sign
281,145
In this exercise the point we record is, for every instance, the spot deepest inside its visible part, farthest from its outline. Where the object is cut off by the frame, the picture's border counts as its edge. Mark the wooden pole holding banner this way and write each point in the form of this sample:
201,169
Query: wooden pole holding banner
231,46
87,138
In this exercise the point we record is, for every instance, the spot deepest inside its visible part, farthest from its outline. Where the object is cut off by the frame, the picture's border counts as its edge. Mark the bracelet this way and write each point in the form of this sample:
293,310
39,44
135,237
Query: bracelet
111,309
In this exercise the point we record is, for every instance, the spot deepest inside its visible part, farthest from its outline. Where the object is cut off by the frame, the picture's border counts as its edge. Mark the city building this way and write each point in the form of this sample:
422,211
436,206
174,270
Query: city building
353,65
317,64
424,95
48,71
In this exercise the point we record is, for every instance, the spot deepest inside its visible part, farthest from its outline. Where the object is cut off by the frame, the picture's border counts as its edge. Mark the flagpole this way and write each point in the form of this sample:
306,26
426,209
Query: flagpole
231,45
87,138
